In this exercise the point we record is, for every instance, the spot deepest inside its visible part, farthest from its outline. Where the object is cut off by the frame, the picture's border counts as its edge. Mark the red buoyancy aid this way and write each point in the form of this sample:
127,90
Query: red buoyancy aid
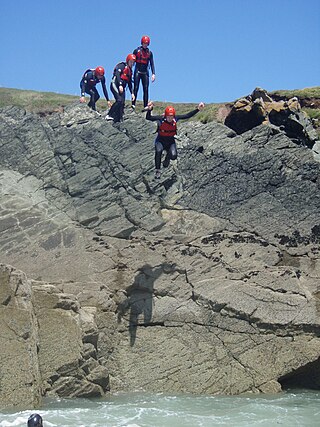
143,56
167,129
126,74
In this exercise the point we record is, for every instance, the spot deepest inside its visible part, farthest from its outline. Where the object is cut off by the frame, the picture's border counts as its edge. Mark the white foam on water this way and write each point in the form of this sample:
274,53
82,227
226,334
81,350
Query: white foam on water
16,422
294,409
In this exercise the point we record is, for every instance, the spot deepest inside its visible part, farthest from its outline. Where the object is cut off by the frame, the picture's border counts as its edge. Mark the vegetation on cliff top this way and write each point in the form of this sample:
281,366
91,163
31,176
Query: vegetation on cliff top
48,102
309,92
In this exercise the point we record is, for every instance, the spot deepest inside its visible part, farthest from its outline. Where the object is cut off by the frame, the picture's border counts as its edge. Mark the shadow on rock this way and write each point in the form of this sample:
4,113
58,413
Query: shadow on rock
139,298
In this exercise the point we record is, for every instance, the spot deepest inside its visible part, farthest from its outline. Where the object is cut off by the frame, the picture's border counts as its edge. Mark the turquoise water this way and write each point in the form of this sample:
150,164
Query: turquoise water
294,408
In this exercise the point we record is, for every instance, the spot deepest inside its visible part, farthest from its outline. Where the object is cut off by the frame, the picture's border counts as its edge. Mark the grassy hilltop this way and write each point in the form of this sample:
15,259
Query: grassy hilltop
47,102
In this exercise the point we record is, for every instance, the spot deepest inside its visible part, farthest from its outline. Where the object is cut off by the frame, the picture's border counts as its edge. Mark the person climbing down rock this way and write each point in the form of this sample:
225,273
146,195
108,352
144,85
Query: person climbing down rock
167,129
90,79
122,77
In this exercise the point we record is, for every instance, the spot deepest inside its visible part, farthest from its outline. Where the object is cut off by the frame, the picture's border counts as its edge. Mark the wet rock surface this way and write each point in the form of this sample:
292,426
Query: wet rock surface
204,281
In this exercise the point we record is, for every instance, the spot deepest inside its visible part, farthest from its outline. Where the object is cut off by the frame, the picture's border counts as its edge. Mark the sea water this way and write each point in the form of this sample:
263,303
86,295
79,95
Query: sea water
287,409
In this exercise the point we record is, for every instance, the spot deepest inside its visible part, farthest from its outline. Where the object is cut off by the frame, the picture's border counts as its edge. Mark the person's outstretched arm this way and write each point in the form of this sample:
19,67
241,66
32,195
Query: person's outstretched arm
191,113
149,116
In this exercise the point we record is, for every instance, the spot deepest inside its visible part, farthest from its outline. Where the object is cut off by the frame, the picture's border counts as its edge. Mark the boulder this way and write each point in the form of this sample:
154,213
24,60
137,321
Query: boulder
259,107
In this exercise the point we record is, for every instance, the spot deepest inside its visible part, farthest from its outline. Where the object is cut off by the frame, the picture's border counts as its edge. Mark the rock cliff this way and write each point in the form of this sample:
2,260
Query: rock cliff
206,281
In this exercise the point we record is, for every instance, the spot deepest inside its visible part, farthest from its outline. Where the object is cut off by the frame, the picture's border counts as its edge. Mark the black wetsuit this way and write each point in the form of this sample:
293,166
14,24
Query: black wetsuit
166,143
144,60
88,85
122,76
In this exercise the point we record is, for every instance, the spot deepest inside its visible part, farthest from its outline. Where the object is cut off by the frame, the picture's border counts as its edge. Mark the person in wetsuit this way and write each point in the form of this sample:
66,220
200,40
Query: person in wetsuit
122,77
144,61
167,129
35,420
90,79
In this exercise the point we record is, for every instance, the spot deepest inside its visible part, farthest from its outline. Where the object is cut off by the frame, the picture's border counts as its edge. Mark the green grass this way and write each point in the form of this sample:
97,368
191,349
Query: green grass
35,101
47,102
309,92
313,113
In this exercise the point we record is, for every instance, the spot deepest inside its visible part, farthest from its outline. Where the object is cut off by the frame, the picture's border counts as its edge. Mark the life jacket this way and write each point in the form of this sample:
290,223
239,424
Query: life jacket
91,82
167,129
126,73
143,56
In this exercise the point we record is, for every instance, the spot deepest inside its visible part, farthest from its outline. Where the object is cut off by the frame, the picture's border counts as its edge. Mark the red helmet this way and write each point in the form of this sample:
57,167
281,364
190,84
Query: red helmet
145,39
99,71
131,57
169,111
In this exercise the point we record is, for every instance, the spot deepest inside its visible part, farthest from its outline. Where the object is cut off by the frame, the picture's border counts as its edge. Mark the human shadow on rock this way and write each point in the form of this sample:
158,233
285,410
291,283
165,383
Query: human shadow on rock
139,302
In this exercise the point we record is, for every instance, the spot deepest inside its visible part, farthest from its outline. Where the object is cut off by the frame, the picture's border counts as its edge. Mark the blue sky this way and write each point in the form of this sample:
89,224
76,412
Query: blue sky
204,50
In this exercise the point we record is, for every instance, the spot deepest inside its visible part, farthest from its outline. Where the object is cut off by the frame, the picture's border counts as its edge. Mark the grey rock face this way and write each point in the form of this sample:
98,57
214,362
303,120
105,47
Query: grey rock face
68,338
45,343
205,281
19,368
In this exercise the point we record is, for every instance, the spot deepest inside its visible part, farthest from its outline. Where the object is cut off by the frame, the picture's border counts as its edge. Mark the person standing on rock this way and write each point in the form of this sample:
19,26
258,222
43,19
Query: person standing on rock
167,129
141,72
35,420
90,79
122,77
